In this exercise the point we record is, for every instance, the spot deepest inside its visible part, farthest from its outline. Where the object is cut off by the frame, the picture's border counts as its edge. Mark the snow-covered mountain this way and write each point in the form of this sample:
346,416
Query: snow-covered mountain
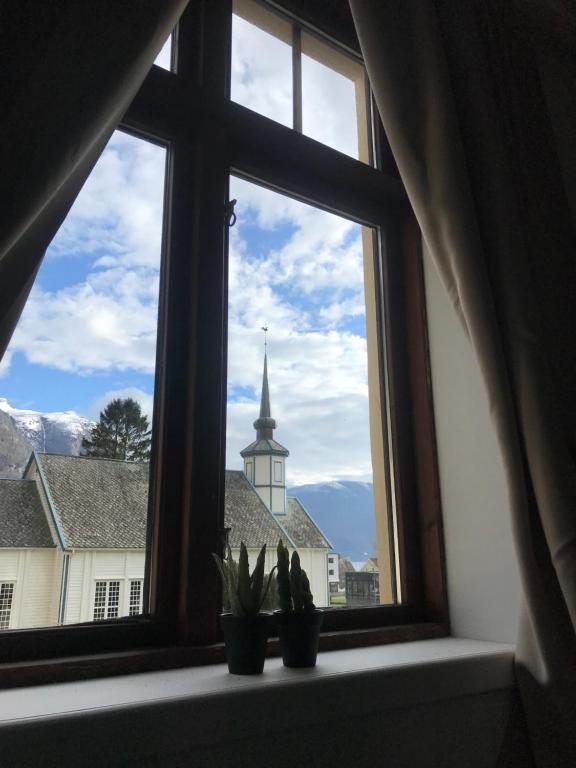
344,511
23,430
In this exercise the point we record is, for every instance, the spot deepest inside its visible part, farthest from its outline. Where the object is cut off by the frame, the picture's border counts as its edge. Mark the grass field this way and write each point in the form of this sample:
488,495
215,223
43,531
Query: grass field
337,599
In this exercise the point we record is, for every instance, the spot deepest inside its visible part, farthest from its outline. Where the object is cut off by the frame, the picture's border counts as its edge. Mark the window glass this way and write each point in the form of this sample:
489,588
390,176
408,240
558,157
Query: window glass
333,98
261,77
164,57
302,414
76,395
6,597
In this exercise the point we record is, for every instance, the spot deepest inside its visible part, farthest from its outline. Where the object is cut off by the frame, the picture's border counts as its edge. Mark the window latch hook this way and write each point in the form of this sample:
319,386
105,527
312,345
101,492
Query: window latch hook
229,215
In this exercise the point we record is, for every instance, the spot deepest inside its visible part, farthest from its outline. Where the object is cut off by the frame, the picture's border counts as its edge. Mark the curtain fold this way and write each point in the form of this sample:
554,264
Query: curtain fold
69,71
476,102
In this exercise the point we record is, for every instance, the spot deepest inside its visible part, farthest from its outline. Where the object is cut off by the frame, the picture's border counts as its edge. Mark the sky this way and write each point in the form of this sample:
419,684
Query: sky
88,331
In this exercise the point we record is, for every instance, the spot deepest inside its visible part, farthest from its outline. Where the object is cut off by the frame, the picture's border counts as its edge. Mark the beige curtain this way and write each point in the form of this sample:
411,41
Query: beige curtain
478,100
69,71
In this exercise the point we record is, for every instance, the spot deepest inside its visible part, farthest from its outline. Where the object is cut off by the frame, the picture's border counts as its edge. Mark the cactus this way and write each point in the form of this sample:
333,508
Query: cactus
293,584
244,594
283,578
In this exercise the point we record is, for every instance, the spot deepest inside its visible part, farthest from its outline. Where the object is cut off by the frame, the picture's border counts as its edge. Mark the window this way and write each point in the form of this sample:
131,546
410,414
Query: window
221,145
135,606
6,596
277,471
106,600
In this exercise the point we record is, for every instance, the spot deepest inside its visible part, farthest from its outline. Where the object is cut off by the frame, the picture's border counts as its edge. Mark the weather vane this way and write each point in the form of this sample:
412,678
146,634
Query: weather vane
265,329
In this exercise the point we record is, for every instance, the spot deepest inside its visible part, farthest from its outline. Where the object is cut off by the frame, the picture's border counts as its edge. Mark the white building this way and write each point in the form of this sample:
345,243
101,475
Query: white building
73,531
333,571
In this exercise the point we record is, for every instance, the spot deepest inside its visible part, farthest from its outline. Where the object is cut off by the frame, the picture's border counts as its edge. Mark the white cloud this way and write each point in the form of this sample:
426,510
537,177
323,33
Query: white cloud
107,319
5,363
261,72
117,218
88,328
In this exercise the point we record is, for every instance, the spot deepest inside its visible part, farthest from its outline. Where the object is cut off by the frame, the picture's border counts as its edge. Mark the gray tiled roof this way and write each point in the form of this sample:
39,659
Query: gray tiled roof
248,518
300,526
266,445
22,519
101,503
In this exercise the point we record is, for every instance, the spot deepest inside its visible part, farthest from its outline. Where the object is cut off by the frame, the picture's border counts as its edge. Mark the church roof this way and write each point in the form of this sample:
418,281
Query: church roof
248,518
103,503
301,528
22,519
99,503
264,446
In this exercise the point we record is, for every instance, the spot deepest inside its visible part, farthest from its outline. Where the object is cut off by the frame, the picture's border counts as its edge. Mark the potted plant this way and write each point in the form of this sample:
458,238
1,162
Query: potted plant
298,619
245,628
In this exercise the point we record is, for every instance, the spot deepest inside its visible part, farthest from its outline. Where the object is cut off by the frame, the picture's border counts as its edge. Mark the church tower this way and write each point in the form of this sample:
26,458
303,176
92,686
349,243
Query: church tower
264,459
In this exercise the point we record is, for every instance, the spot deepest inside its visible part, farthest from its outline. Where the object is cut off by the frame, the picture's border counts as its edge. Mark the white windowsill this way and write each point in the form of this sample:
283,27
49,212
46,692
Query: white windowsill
361,680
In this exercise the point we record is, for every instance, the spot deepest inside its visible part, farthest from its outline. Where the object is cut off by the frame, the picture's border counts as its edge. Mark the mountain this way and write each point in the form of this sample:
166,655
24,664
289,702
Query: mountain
22,431
345,512
14,448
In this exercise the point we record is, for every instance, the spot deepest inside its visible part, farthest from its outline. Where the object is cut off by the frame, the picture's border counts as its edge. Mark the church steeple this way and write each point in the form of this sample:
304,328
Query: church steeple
264,459
265,424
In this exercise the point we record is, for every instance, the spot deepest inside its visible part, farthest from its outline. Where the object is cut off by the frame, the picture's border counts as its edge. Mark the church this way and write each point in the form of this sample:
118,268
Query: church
73,530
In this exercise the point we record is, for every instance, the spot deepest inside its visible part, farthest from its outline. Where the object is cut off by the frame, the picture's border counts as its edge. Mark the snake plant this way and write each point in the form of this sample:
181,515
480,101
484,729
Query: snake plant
294,593
244,593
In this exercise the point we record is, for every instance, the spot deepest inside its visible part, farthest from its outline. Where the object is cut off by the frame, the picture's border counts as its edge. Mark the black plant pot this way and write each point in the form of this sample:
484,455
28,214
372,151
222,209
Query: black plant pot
299,634
245,639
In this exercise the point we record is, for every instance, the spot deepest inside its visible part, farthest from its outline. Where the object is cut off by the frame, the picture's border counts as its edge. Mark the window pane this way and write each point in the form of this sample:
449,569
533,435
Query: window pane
304,424
261,77
333,98
164,57
76,394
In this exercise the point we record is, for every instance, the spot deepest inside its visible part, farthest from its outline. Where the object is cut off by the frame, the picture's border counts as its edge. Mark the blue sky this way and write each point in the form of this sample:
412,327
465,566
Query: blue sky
88,332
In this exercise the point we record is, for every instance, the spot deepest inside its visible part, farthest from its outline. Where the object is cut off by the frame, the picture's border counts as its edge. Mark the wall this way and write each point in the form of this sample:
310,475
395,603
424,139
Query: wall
483,581
86,566
34,572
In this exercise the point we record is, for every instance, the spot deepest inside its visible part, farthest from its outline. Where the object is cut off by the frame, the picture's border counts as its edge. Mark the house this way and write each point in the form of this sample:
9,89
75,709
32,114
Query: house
333,572
370,566
73,531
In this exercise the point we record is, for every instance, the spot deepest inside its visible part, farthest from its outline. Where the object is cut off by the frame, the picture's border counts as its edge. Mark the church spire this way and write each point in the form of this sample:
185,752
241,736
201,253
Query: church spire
265,424
264,459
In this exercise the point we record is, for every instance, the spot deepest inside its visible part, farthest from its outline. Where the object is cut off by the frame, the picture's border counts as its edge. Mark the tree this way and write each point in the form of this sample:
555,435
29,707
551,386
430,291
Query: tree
122,433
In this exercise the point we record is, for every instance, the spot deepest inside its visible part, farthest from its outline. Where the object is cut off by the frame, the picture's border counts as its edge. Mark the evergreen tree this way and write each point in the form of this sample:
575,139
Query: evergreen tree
122,433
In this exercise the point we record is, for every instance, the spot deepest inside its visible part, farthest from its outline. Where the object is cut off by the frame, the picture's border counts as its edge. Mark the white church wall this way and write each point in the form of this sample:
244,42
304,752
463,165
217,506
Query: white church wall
279,500
33,572
89,566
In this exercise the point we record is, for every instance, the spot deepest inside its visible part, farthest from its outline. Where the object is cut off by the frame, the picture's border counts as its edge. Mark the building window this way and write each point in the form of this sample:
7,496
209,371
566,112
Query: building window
331,572
6,596
106,600
135,606
277,471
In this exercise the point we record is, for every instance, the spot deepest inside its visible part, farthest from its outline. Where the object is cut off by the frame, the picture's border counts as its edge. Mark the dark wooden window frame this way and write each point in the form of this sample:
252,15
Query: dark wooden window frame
208,137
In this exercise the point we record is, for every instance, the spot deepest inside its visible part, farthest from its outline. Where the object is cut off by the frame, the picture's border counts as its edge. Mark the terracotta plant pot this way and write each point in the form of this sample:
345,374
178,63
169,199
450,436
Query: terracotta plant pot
299,634
245,640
